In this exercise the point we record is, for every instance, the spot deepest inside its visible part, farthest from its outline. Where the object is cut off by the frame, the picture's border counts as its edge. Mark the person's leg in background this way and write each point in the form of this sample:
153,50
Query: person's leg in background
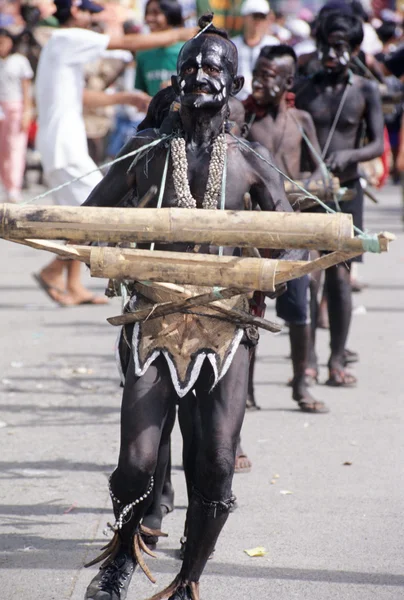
61,279
13,149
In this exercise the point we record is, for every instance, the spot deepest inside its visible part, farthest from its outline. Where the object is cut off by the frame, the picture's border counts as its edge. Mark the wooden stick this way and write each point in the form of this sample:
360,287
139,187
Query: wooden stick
167,308
69,251
317,188
371,196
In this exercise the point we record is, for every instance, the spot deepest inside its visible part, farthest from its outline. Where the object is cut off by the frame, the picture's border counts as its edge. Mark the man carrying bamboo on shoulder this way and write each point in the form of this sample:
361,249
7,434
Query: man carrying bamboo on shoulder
197,164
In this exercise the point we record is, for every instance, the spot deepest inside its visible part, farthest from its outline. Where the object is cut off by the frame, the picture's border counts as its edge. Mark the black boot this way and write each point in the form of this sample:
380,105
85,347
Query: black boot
113,578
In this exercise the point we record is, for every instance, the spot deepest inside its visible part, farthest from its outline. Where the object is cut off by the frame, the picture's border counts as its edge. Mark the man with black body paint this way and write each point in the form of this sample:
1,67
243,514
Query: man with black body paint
281,128
344,107
207,76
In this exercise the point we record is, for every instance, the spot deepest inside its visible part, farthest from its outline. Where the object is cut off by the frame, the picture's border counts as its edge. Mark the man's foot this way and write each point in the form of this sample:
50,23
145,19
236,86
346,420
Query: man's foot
243,464
350,357
305,400
113,579
251,403
183,593
178,590
310,377
341,378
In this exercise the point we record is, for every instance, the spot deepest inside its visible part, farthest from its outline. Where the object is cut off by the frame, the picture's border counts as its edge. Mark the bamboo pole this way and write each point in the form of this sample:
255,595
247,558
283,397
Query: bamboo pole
183,268
210,270
275,230
317,187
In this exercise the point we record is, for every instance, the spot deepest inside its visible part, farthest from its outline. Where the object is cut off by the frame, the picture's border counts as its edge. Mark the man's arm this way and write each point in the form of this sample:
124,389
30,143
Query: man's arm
269,194
95,99
117,183
374,120
147,41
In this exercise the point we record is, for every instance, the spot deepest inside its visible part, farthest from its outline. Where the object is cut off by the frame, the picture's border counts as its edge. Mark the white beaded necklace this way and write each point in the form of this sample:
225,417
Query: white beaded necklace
180,173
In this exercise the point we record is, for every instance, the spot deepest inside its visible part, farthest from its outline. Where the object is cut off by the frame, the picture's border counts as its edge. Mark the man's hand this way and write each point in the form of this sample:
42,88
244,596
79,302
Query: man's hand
139,99
186,33
279,290
338,161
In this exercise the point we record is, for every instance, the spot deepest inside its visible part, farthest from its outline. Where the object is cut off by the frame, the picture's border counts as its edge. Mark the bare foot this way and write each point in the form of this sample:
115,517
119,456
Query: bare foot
79,296
243,464
51,288
305,400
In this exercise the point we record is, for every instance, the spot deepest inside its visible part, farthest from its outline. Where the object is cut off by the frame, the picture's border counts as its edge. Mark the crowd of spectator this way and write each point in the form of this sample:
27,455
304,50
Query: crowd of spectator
25,28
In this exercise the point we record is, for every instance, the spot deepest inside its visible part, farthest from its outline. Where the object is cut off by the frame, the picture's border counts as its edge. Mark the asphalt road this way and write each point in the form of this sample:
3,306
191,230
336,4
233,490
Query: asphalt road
336,534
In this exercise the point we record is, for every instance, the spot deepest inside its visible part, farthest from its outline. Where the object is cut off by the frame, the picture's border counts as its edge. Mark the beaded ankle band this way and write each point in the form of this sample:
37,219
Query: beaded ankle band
126,509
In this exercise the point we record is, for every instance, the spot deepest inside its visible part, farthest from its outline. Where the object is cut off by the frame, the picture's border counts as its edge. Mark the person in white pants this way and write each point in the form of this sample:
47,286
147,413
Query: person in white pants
62,142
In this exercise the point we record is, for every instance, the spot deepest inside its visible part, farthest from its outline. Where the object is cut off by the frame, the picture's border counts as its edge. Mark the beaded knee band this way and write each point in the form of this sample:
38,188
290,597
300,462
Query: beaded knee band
213,508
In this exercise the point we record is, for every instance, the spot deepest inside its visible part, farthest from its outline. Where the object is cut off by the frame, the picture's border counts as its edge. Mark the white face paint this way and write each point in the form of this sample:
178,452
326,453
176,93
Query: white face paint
331,53
199,60
224,92
320,55
346,56
182,84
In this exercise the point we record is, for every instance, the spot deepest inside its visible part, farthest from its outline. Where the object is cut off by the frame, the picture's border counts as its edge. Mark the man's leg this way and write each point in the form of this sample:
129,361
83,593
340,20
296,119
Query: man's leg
146,404
292,306
154,515
339,295
221,411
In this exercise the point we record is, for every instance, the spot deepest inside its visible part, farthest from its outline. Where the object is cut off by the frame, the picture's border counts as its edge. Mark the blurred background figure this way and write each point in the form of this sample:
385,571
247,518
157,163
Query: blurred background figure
256,34
155,67
15,115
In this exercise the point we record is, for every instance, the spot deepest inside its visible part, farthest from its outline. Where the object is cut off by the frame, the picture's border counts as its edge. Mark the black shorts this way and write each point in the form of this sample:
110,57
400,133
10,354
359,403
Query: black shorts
292,306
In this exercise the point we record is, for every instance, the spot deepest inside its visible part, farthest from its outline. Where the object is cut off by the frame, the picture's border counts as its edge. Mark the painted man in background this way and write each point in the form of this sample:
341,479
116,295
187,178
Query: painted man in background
283,130
345,108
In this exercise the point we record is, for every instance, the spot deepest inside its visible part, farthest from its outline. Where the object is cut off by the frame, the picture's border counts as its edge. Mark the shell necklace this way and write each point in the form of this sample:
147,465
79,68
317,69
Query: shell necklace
180,173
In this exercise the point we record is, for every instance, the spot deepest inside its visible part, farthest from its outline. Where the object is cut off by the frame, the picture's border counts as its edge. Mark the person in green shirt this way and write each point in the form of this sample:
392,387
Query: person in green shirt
155,67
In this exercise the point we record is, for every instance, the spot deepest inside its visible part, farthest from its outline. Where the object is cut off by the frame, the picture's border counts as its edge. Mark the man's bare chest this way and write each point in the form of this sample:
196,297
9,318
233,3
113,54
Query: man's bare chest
281,135
195,173
342,108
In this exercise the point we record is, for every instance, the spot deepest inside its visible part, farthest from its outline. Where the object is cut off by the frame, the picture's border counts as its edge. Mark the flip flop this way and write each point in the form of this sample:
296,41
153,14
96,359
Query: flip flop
341,378
93,300
47,287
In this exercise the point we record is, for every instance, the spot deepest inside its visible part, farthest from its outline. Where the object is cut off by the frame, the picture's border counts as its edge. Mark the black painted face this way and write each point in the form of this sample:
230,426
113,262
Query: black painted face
206,68
271,79
335,54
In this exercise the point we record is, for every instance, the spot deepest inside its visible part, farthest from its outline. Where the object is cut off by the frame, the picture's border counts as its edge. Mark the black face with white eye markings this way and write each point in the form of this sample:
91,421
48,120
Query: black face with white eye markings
206,68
